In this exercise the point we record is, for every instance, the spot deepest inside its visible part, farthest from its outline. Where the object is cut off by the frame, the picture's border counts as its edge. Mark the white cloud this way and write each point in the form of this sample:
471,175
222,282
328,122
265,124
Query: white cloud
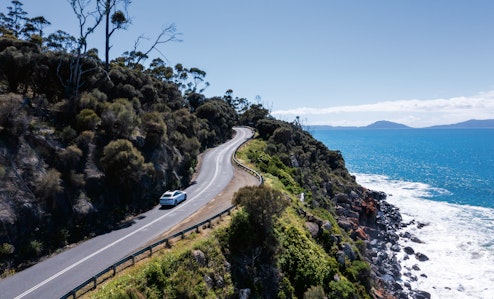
415,113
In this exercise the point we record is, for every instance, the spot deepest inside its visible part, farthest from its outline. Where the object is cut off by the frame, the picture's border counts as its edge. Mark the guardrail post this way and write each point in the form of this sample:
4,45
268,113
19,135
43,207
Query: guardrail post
209,222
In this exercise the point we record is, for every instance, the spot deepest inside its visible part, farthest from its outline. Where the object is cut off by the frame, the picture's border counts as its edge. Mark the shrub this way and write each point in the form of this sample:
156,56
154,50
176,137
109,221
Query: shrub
71,156
302,261
341,289
262,204
359,271
87,119
13,119
123,163
241,236
6,249
49,184
84,140
92,100
35,248
154,128
315,292
119,118
154,276
68,134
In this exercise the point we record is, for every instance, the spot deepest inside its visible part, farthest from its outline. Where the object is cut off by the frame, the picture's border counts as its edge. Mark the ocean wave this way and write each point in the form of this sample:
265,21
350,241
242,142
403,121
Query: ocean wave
457,239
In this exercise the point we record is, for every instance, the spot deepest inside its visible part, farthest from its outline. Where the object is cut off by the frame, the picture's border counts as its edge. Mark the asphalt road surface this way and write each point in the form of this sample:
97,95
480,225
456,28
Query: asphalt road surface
54,277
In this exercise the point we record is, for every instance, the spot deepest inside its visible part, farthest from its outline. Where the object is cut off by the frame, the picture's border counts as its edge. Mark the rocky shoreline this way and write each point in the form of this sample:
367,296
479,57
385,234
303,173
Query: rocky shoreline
369,217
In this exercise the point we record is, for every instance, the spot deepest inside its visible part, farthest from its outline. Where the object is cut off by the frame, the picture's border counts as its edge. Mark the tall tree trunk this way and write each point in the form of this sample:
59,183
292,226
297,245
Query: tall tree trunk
107,37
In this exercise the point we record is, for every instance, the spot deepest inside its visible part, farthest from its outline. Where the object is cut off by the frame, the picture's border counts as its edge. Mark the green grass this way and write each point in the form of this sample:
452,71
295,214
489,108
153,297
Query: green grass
305,263
174,273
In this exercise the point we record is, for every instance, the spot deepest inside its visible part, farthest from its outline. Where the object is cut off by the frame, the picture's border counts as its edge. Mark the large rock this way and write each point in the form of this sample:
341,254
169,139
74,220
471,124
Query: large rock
421,257
341,198
421,295
348,250
326,225
199,257
409,250
313,228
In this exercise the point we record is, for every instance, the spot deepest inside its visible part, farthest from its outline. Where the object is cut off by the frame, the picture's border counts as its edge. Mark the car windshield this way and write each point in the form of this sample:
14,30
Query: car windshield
166,195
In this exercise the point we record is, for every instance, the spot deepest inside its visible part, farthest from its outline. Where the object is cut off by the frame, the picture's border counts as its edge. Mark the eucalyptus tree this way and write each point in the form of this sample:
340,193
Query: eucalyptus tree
114,13
35,26
14,20
89,17
159,70
60,41
134,57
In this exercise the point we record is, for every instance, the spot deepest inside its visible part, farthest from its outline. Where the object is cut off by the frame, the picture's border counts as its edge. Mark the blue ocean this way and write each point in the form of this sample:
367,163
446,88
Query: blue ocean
443,178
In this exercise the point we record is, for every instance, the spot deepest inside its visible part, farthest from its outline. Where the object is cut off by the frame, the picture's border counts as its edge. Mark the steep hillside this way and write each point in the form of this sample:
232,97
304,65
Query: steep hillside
77,160
303,234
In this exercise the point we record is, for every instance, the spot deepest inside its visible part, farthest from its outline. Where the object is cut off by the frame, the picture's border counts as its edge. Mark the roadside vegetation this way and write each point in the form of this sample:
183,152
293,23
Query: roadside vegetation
86,143
268,250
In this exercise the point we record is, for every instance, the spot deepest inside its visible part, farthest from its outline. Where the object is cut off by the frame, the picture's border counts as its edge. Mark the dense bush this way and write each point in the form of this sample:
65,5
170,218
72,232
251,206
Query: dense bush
123,163
177,274
302,261
220,116
119,118
13,118
262,204
49,184
87,119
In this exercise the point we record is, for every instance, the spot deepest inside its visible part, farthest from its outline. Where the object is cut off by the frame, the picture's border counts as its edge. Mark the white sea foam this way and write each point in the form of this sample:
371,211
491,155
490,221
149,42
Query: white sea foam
458,240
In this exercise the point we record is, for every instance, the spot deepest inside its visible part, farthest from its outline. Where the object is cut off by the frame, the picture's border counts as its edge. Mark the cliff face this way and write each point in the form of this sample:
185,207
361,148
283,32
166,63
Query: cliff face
45,205
324,183
76,160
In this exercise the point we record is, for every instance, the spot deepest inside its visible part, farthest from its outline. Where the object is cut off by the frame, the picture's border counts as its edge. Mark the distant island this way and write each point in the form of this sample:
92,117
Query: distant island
384,124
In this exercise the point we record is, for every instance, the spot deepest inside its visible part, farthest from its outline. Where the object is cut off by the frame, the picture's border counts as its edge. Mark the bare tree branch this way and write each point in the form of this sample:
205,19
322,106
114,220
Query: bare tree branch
168,34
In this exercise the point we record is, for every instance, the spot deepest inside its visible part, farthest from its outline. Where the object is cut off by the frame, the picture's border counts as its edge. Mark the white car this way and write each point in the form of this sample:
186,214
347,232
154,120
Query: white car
172,198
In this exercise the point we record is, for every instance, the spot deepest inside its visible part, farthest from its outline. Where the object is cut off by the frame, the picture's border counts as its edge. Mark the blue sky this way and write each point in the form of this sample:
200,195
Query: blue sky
418,62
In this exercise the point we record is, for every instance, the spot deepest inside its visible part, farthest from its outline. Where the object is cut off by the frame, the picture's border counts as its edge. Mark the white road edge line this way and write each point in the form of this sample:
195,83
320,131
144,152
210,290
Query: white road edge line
119,240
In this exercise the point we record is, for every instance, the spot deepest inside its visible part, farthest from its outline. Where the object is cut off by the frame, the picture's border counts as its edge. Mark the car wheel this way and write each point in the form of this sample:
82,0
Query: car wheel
175,202
185,196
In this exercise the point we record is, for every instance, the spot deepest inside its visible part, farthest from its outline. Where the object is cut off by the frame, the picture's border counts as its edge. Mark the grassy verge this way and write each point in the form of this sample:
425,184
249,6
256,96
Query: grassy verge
266,249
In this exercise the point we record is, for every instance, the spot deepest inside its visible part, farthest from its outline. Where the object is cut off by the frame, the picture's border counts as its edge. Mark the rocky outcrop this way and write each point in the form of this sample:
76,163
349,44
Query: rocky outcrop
367,216
47,203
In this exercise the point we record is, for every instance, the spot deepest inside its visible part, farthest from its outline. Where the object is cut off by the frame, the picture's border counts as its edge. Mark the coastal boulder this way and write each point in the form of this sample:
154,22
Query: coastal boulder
199,257
409,250
326,225
421,295
313,228
421,257
341,198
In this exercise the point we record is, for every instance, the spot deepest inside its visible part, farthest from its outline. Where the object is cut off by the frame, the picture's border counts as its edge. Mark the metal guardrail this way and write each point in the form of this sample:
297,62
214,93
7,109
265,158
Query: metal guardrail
251,171
146,252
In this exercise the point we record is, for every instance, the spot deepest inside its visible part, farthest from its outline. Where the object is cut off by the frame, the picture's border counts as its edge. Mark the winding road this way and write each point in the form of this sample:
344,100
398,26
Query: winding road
54,277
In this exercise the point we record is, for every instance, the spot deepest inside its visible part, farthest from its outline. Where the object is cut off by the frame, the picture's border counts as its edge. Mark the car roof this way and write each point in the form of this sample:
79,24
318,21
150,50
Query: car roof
171,192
